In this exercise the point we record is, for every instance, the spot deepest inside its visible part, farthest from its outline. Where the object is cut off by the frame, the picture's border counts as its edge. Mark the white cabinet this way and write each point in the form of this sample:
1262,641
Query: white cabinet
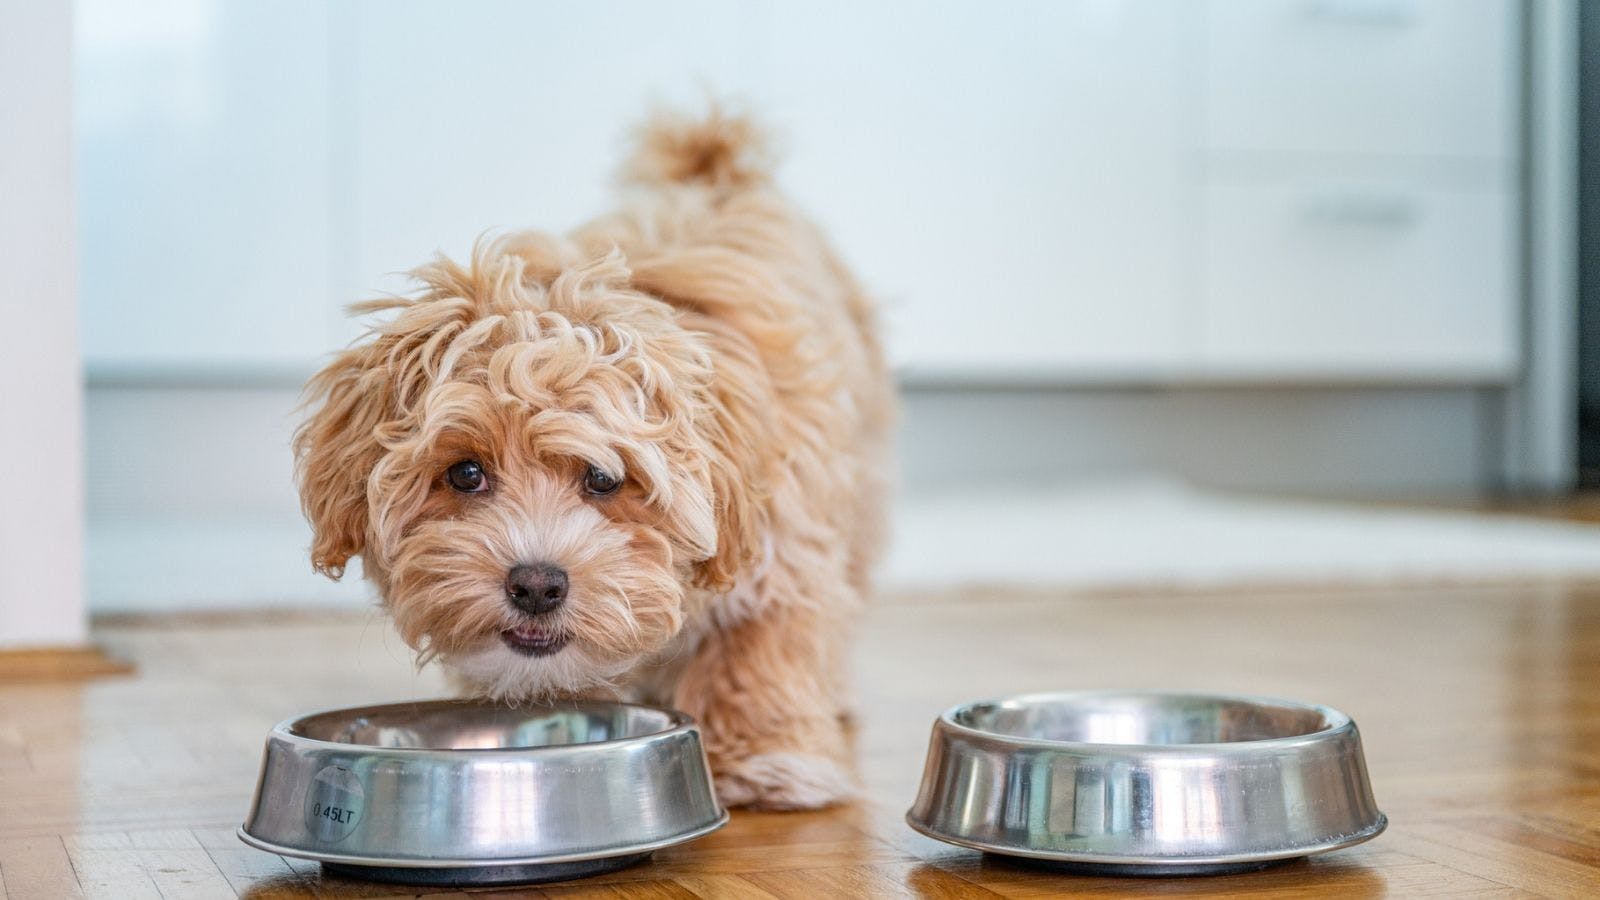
1365,278
1124,190
1008,178
1358,204
1341,77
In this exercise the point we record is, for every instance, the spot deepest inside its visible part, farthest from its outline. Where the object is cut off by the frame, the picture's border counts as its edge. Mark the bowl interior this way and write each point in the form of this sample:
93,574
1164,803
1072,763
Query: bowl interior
1144,719
467,725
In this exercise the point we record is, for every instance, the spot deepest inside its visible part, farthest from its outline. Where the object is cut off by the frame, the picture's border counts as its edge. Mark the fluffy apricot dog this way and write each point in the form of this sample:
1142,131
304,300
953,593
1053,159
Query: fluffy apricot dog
647,459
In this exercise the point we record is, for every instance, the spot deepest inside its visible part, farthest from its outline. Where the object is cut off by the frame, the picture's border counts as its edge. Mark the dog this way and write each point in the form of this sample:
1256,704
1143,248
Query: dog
647,460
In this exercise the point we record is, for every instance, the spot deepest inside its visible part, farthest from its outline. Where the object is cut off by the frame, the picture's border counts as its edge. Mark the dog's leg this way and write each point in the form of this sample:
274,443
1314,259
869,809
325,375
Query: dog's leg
761,688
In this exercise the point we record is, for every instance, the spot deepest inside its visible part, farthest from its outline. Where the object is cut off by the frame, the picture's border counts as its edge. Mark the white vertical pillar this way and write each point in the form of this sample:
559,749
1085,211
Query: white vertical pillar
41,393
1541,412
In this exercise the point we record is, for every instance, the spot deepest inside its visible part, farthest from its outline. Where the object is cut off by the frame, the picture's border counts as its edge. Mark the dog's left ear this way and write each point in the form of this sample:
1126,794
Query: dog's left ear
738,492
335,450
708,467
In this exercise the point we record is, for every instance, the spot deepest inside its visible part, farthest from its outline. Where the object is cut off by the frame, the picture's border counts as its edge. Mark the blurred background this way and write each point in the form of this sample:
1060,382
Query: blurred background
1161,278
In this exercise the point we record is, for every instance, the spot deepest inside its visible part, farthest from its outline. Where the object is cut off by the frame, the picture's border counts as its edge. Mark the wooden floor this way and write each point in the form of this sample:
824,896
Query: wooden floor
1480,709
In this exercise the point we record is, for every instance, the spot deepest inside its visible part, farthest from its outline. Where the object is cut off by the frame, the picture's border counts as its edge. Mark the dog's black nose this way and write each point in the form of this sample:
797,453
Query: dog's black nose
536,589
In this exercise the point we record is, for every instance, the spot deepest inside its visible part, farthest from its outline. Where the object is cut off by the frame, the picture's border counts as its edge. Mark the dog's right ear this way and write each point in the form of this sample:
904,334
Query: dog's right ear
335,450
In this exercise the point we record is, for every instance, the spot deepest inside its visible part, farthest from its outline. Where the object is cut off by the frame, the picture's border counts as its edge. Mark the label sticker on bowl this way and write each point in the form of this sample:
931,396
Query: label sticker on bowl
334,804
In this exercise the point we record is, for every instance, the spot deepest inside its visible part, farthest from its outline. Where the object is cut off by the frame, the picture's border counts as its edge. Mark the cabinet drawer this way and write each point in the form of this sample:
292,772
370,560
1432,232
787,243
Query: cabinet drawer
1359,278
1412,77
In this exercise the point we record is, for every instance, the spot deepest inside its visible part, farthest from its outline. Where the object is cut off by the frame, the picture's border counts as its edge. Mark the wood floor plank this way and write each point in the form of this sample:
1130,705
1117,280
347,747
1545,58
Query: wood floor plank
694,859
1573,841
114,875
35,868
169,862
653,889
245,867
1504,861
723,887
838,881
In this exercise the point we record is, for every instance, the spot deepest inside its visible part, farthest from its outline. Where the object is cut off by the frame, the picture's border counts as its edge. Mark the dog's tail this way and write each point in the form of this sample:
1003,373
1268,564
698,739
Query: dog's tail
721,150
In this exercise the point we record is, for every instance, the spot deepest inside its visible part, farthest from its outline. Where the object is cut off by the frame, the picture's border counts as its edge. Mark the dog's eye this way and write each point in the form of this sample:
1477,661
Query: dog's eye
598,482
467,477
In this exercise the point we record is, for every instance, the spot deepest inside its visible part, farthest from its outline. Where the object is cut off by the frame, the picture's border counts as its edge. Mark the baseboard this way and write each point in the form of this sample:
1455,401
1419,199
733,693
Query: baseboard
26,664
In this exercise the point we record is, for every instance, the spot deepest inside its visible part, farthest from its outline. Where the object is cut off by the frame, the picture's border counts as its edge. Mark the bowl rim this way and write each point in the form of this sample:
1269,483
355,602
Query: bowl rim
677,722
1337,722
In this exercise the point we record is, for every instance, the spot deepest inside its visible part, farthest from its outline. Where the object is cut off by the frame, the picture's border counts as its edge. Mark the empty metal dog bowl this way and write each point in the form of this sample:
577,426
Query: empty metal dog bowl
1140,783
462,792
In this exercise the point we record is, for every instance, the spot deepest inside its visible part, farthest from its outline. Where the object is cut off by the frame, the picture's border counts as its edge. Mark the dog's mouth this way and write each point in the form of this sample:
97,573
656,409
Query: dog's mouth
532,639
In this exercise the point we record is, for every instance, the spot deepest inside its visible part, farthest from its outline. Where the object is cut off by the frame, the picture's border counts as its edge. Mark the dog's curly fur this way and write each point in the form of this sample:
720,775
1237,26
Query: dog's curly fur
704,345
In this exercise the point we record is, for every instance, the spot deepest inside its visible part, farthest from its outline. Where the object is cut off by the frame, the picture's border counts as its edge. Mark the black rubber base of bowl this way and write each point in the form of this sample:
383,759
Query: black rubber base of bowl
1137,870
487,875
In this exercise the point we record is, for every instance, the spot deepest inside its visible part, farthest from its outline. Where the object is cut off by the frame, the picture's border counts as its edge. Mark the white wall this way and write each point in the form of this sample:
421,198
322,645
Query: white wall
41,515
203,139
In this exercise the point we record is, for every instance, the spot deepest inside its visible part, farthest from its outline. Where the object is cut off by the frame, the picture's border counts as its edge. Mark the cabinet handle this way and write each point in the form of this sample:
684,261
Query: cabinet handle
1389,13
1388,210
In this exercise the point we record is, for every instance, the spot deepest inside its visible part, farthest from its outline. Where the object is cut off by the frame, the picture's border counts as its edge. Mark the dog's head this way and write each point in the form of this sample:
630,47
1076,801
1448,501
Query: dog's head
527,458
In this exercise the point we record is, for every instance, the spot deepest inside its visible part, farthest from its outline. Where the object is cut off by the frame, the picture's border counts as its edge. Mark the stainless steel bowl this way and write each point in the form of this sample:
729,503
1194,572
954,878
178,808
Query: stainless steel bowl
464,792
1146,783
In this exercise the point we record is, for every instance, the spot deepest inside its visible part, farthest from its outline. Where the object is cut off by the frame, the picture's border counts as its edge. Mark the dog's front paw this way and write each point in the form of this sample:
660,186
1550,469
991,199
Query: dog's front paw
784,781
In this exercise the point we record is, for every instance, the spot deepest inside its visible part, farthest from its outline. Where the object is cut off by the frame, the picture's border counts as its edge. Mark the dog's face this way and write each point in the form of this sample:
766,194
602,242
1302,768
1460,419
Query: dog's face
524,458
